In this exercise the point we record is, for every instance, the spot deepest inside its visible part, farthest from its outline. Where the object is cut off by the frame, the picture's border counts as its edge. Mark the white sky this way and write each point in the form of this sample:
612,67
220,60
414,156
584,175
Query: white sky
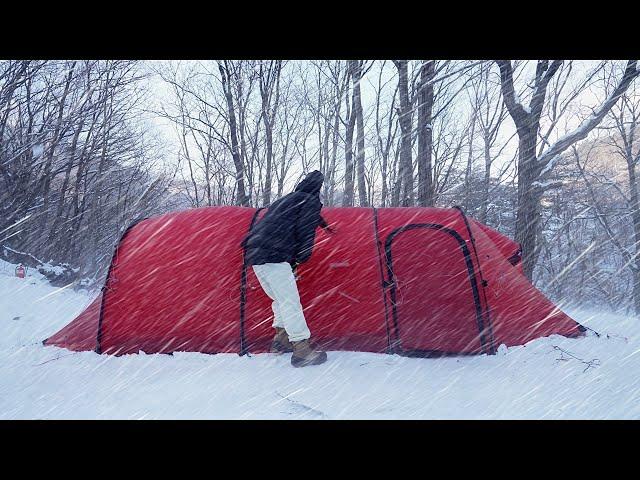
161,93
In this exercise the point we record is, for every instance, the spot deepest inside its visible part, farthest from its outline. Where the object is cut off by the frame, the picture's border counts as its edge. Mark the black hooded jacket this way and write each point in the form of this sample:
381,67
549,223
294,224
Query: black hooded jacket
287,230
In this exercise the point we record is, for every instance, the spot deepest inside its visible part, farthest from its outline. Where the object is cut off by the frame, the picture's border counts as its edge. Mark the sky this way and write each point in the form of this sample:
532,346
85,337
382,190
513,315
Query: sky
160,94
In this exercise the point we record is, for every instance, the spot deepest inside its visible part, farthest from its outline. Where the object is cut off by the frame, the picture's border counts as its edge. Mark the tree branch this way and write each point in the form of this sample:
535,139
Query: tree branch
631,72
517,111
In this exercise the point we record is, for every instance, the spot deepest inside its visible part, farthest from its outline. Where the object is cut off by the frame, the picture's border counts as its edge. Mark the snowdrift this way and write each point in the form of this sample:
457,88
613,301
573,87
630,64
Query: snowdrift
412,281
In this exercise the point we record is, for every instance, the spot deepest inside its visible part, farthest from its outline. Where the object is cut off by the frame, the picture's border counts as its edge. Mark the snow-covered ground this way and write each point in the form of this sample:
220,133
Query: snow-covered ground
549,378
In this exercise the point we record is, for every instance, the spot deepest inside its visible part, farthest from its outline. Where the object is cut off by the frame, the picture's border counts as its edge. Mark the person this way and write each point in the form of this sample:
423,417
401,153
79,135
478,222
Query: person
274,248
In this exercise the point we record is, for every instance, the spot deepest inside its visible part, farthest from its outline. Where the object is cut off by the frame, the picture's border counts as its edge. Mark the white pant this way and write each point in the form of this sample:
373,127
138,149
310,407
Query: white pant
278,282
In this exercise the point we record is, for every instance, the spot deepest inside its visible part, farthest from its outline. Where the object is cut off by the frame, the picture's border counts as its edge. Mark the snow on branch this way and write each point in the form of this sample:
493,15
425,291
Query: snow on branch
548,184
17,252
631,72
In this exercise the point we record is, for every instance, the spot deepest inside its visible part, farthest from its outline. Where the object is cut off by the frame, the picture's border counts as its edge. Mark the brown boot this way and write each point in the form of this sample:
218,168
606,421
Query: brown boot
304,355
281,343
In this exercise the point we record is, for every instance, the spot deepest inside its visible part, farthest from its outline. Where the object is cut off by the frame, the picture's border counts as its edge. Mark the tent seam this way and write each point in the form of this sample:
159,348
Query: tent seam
382,280
243,287
103,290
487,309
470,272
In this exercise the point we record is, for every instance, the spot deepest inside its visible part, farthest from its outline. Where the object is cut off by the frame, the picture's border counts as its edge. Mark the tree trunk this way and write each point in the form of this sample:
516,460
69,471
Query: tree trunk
269,85
356,76
53,233
266,194
404,117
52,148
425,135
469,170
334,153
529,196
347,199
395,192
242,197
484,202
530,166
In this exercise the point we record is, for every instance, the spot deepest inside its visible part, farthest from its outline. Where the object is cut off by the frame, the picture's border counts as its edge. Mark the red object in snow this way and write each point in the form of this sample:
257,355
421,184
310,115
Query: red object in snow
413,281
21,272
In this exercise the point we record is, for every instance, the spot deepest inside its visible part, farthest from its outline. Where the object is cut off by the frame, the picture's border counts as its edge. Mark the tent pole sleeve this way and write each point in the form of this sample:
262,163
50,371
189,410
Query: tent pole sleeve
243,289
383,283
106,283
487,316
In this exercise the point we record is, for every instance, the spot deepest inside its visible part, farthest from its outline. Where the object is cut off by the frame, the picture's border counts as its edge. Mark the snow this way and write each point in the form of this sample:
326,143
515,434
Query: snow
549,166
57,269
549,378
37,150
545,185
21,253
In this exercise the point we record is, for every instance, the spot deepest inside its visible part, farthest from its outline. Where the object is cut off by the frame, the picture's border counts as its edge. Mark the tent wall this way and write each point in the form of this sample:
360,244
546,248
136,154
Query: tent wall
519,311
339,289
421,281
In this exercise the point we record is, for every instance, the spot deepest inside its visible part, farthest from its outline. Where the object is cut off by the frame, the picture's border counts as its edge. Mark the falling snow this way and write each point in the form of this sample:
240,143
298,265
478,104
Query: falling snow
90,148
549,378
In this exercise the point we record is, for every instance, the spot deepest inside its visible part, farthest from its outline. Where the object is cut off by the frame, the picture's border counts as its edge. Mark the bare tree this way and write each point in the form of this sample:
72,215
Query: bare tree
349,170
425,133
403,193
270,94
490,113
625,120
531,165
226,79
385,135
356,70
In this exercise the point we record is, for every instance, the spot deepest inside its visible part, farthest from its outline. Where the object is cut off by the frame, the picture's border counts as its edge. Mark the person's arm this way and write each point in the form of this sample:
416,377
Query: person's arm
306,223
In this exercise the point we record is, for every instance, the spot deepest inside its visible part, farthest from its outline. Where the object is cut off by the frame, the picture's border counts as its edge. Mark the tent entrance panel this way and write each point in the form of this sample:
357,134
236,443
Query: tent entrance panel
434,293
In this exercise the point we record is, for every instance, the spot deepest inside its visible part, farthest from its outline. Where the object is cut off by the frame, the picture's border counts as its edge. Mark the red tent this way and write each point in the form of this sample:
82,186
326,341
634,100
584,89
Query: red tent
415,281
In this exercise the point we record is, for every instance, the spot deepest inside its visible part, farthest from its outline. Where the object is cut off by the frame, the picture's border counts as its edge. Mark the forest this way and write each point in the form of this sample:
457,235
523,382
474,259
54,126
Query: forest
545,151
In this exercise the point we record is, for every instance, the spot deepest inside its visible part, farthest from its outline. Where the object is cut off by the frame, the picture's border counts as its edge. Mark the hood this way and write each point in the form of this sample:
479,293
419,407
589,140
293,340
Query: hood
312,183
